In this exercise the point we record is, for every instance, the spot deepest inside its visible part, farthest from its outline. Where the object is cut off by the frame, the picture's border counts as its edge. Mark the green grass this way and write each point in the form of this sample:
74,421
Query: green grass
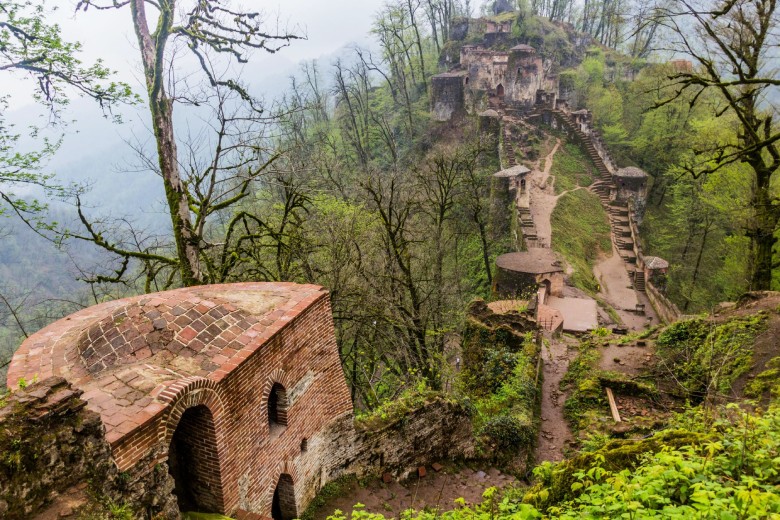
580,231
334,489
571,168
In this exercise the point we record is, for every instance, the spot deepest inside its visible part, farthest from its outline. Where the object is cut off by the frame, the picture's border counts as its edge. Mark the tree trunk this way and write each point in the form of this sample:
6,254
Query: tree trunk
161,107
485,252
764,228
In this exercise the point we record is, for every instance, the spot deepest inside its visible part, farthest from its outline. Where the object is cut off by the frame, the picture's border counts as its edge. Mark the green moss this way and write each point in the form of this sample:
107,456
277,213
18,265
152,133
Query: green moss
555,480
395,410
707,356
499,382
329,491
586,382
767,381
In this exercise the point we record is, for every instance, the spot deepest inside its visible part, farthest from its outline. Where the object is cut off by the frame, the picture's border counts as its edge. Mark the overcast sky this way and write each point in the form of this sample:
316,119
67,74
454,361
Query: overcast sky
329,25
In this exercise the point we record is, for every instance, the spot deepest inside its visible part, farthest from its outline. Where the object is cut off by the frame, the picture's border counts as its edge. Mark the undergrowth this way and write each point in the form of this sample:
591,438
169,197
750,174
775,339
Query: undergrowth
581,233
705,357
571,168
499,383
730,472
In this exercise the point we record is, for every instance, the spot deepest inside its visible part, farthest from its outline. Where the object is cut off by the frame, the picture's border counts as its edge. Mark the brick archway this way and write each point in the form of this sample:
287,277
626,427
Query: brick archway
276,401
194,433
283,505
188,393
281,502
193,462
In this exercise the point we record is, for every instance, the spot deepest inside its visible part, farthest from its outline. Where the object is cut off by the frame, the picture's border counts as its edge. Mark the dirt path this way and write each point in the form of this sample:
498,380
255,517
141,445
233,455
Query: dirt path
436,490
554,433
617,291
542,198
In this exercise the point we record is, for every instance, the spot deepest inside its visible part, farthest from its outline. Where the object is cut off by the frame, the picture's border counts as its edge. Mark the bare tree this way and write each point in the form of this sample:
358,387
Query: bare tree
219,166
206,26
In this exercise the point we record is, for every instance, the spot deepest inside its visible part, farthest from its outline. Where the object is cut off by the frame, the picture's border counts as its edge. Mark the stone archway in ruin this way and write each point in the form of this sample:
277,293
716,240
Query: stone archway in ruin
193,462
283,506
546,286
500,91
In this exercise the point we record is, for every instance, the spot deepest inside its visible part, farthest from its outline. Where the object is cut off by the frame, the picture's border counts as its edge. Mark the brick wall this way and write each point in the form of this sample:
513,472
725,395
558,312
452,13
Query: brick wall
303,359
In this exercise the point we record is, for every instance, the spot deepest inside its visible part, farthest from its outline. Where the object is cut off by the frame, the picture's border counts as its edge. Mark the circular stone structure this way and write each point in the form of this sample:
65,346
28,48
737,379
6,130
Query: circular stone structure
519,275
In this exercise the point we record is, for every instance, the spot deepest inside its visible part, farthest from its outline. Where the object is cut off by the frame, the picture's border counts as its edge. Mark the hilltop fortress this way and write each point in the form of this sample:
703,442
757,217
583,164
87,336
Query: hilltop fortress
231,398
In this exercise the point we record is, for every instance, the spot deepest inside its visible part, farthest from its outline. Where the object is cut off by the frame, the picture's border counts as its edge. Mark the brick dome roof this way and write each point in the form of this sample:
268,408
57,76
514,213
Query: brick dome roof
196,330
124,354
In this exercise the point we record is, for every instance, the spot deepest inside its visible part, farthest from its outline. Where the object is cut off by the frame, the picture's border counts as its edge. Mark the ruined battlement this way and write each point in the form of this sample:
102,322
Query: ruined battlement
518,78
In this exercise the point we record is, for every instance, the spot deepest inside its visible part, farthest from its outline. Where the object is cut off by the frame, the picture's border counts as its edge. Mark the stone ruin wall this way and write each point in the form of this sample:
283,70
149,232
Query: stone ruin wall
447,93
438,431
522,73
664,307
52,444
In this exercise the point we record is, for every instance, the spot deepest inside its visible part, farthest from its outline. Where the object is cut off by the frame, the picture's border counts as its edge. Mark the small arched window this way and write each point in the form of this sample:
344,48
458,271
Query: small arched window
277,407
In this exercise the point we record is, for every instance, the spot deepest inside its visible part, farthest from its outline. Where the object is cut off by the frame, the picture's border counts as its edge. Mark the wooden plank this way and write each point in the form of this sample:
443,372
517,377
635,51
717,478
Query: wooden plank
613,405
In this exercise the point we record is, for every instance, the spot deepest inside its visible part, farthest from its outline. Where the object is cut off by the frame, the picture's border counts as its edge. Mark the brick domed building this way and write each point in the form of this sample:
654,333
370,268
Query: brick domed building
230,385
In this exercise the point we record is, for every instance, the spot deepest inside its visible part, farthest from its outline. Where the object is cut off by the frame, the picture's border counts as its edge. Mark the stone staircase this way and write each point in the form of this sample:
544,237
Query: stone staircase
639,280
604,187
509,149
526,222
589,147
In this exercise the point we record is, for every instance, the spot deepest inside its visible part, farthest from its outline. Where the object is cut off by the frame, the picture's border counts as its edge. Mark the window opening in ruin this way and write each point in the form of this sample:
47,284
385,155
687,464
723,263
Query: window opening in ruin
467,80
304,444
283,506
277,409
500,90
193,462
522,185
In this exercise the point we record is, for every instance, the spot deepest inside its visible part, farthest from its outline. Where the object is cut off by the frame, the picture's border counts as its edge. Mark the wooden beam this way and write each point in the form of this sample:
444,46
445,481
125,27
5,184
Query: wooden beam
613,405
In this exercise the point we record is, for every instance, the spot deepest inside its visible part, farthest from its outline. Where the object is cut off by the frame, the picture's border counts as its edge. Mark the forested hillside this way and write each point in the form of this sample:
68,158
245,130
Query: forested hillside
622,362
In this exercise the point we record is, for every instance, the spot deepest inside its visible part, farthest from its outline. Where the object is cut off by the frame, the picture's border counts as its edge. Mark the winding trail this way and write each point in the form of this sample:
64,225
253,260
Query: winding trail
542,198
554,432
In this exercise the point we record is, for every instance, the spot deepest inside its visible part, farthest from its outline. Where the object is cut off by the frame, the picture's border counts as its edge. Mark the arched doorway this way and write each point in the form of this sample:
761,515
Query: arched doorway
193,462
283,506
500,91
545,286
